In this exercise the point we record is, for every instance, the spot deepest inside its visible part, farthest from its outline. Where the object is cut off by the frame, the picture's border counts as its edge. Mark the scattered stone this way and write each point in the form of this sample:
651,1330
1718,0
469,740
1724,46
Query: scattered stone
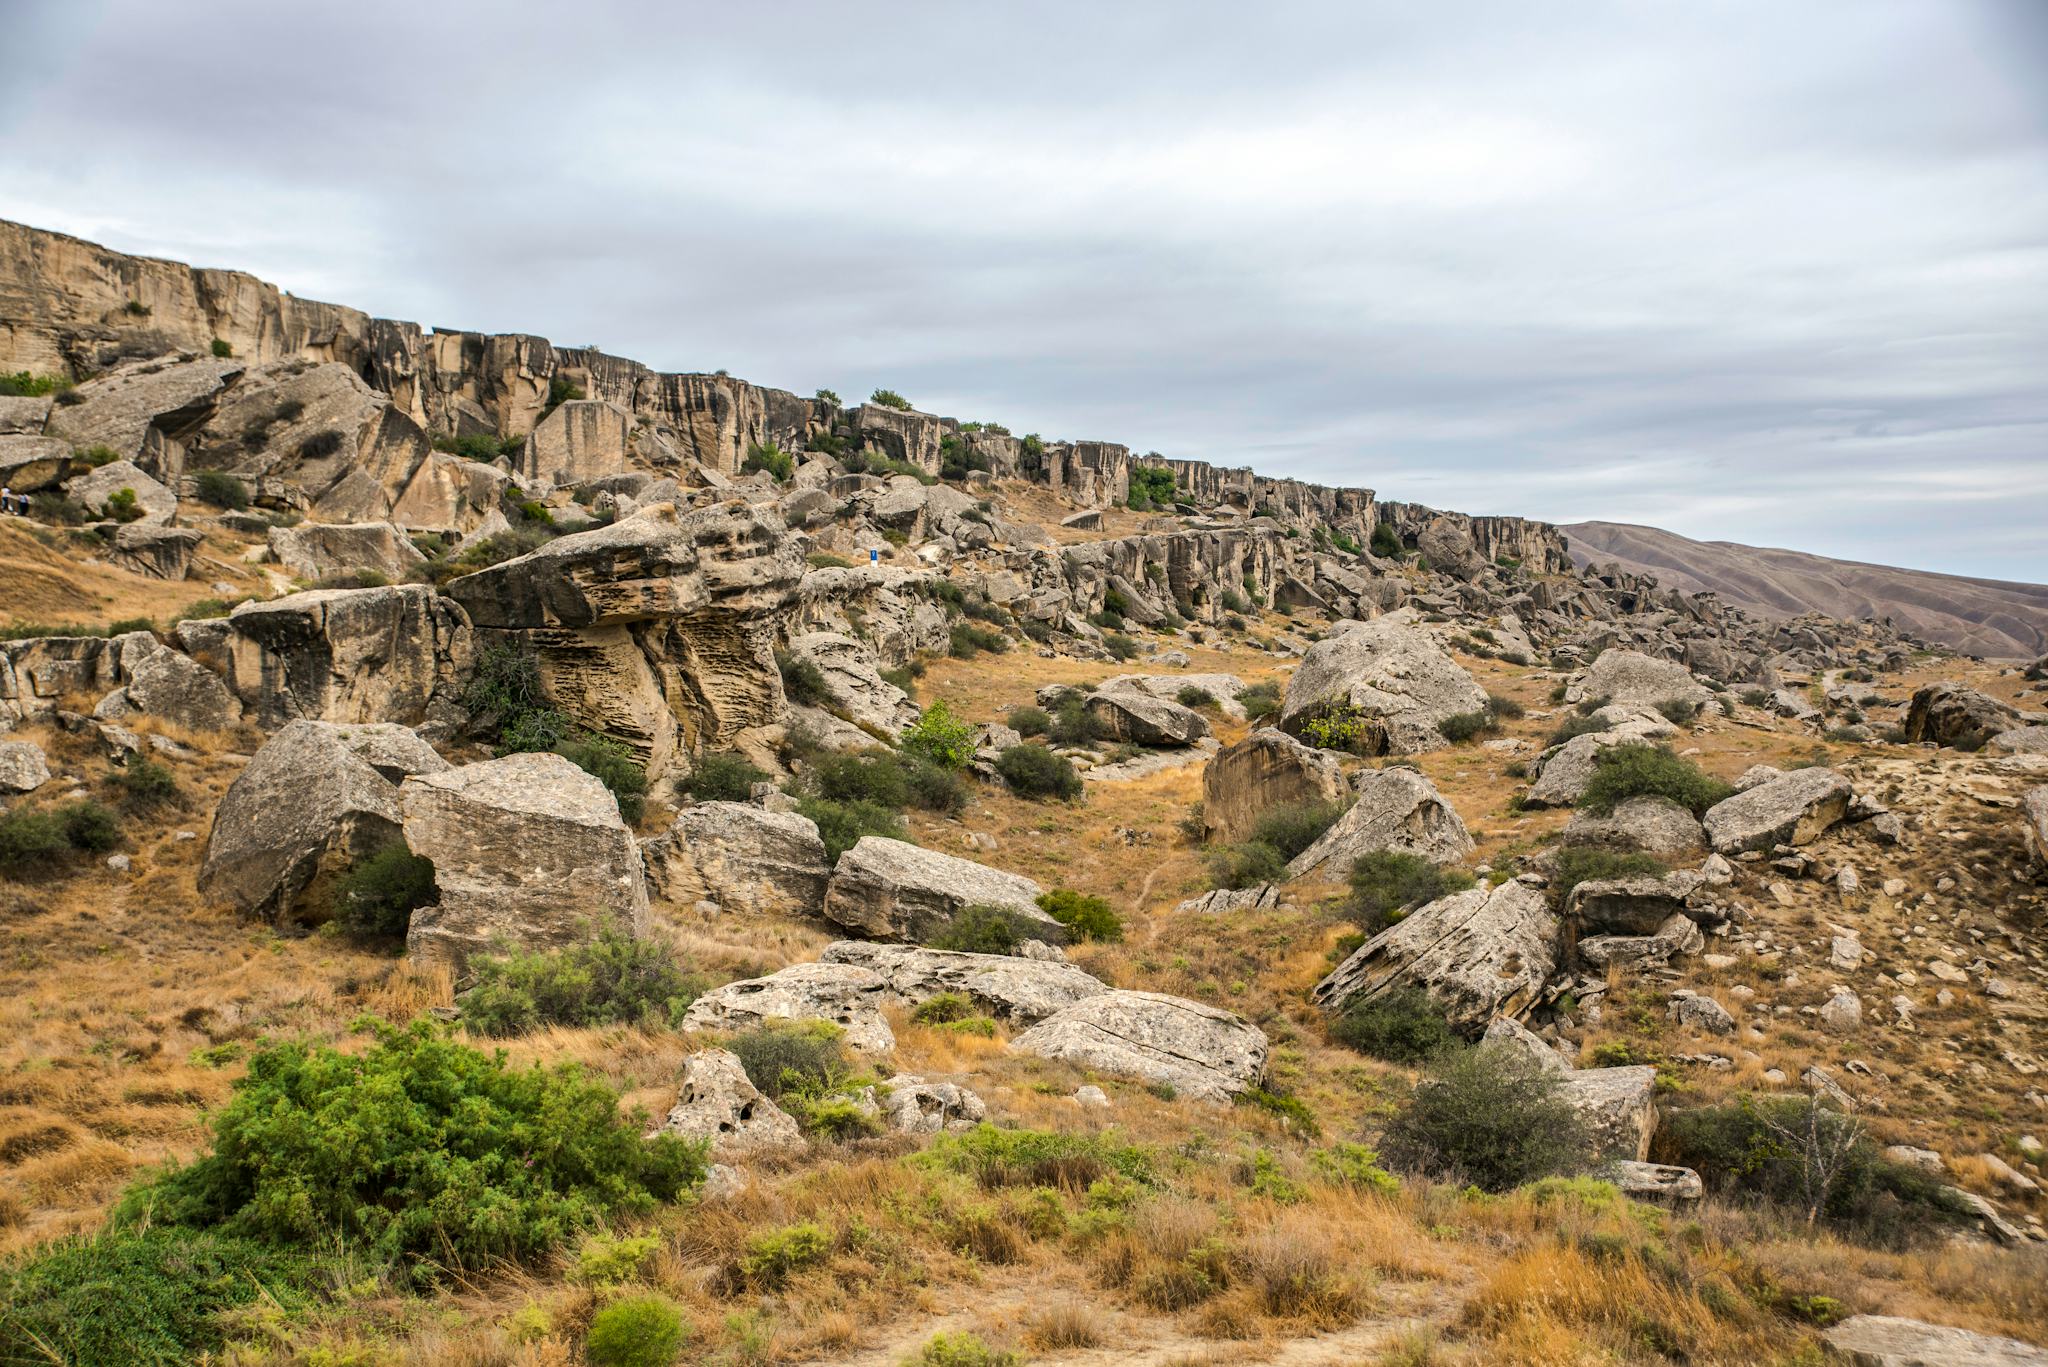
1657,1183
1693,1011
1091,1096
909,1104
718,1102
1842,1012
22,767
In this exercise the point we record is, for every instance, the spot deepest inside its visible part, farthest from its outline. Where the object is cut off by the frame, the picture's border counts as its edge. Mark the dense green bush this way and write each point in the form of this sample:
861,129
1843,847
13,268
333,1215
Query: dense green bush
722,776
782,1058
1386,542
152,1298
1387,884
1088,918
1463,726
1260,700
23,384
1193,695
1621,772
222,348
220,489
1038,1158
1151,487
639,1331
940,737
889,398
1678,711
376,898
875,776
420,1151
34,840
1404,1025
615,980
1246,865
1074,724
1030,721
1034,771
612,764
1293,828
146,783
842,824
123,506
772,458
1578,864
962,1349
985,930
967,641
1491,1117
803,683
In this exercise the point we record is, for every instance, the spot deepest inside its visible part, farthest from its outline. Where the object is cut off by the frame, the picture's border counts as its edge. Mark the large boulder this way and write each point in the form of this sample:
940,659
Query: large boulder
1562,772
1627,678
120,408
164,683
154,551
1962,718
1131,714
717,1101
845,995
909,1104
891,889
1265,770
95,487
856,686
22,767
30,464
1642,825
581,440
1678,935
1891,1341
1004,985
2034,826
743,857
1480,953
313,800
1793,809
1195,1049
1392,679
1631,906
1397,809
529,853
313,551
1618,1106
1448,547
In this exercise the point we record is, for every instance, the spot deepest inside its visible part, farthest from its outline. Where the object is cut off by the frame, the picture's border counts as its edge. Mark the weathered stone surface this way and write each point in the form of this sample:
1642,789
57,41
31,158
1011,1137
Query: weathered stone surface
1505,1032
1645,825
1130,714
529,853
166,684
1627,678
1793,810
1563,771
1631,906
1197,1050
1890,1341
717,1101
1448,546
154,552
583,439
24,415
1265,770
745,858
120,408
1951,715
313,551
1678,935
891,889
1397,809
2034,825
846,995
314,799
1004,985
2020,740
1481,953
1697,1011
22,767
1398,682
1619,1106
93,488
32,464
909,1104
856,686
1656,1183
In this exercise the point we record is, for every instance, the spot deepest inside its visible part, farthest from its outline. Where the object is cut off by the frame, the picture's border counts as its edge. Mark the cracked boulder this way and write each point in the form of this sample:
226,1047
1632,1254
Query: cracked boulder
856,686
1003,985
1480,953
1131,714
1628,678
313,551
846,995
1795,808
1389,680
1631,906
1956,717
1265,770
745,858
1197,1050
894,890
1642,825
1397,809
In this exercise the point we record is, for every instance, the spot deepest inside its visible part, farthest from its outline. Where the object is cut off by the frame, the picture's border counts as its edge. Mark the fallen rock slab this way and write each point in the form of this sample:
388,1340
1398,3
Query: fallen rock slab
1794,809
745,858
1480,953
891,889
1197,1050
1265,770
1890,1341
1397,809
846,995
1392,678
1628,678
1017,989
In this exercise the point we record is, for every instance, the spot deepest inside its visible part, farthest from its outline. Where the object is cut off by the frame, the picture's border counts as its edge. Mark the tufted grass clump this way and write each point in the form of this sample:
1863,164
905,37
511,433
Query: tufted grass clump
1621,772
1066,1161
614,980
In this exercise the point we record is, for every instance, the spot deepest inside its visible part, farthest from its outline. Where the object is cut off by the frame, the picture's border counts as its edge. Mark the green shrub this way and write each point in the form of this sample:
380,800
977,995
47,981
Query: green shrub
774,1254
875,776
1463,726
1621,772
1030,721
1074,724
1260,700
1353,1165
1060,1159
1490,1117
220,489
1499,705
639,1331
828,396
1120,646
842,824
889,398
985,930
784,1058
943,1009
1387,884
1755,697
722,776
772,458
1151,487
1292,1110
123,506
1193,695
940,737
376,898
1089,918
961,1349
607,1260
1292,829
803,683
146,783
825,560
1678,711
221,348
615,980
1246,865
1034,771
31,841
612,764
420,1151
152,1298
22,384
1574,726
968,641
93,457
562,390
1404,1025
1578,864
1386,542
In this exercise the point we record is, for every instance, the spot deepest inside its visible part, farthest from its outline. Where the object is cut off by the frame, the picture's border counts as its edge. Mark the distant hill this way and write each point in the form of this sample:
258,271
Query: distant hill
1987,617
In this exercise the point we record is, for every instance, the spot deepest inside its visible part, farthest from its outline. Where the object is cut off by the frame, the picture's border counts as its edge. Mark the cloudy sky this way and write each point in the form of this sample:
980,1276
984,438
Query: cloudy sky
1754,270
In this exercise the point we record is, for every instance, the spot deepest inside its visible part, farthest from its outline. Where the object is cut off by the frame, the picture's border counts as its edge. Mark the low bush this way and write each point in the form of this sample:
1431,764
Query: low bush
967,641
639,1331
1678,711
1120,646
1621,772
791,1058
1578,864
1490,1117
771,458
722,776
1353,1165
1059,1159
1074,724
1463,726
774,1254
1260,701
943,1009
1574,726
985,930
1034,771
123,506
842,824
325,443
1193,695
221,489
222,347
940,738
1029,721
1500,706
875,776
1755,697
962,1349
419,1151
1402,1026
1292,829
146,784
889,398
1386,542
35,840
1089,918
803,683
612,764
376,898
614,980
1247,865
28,385
1387,884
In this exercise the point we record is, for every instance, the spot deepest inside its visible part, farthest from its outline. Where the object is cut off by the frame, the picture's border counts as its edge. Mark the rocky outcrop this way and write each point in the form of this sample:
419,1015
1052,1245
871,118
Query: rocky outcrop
1618,1107
154,552
1677,935
311,802
1448,546
312,551
164,683
844,995
1949,714
579,441
717,1102
657,630
1644,825
96,487
1197,1050
893,890
856,687
1480,953
1266,770
909,1104
2034,826
1133,715
1397,809
742,857
1890,1341
1003,985
529,853
1563,771
1631,906
1391,680
1794,809
1627,678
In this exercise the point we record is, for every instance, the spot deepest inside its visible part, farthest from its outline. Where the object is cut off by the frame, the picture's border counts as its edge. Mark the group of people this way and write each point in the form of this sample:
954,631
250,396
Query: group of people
13,504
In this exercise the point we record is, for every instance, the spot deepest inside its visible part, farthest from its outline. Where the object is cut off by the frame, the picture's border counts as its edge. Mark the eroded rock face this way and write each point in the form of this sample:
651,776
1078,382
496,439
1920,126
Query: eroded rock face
1890,1341
22,767
128,408
529,853
1394,679
1004,985
1265,770
893,890
1627,678
1480,953
1449,547
166,684
913,1105
855,684
154,552
743,857
1619,1106
319,550
1678,935
1131,714
1962,718
1397,809
1563,771
846,995
2034,826
311,802
1197,1050
1791,810
717,1101
657,630
95,487
1644,825
582,440
1631,906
